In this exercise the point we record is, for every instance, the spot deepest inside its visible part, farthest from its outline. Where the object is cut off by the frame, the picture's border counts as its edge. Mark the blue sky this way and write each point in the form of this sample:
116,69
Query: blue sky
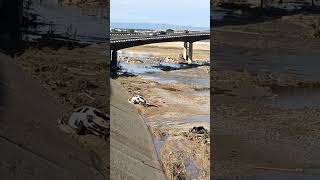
180,12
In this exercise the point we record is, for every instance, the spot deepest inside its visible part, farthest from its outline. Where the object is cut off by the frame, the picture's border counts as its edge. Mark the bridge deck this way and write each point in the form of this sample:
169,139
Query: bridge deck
126,41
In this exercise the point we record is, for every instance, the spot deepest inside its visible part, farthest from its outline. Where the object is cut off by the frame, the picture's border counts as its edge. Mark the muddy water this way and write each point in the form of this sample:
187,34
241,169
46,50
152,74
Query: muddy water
164,72
68,22
160,72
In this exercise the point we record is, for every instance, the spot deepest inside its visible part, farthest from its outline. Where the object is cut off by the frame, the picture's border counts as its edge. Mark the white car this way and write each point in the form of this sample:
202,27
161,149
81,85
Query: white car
137,99
89,120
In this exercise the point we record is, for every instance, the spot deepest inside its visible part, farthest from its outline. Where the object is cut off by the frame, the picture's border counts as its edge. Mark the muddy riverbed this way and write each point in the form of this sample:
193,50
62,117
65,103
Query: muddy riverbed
265,96
178,98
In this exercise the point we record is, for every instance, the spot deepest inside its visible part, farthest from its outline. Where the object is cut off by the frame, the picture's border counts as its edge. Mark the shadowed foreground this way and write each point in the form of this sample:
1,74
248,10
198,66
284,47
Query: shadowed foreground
32,147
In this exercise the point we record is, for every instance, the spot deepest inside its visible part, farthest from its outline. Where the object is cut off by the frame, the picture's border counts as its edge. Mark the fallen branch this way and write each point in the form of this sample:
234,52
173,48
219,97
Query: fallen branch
87,95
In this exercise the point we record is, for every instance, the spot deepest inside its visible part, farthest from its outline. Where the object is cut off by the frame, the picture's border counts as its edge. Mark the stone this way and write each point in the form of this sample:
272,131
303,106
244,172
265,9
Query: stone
198,130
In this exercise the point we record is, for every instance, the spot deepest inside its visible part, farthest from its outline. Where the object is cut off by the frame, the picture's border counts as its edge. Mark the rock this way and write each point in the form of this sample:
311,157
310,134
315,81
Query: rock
198,130
134,61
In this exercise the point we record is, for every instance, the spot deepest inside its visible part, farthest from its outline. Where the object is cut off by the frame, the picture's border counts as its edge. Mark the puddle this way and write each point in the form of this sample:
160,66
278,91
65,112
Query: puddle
175,77
199,118
158,143
137,69
184,123
67,22
202,93
295,98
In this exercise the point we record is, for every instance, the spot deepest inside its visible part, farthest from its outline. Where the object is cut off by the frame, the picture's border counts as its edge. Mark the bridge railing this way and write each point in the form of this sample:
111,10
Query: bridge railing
140,33
159,37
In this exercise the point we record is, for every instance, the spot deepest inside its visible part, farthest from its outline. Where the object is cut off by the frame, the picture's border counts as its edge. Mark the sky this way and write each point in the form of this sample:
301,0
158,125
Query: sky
179,12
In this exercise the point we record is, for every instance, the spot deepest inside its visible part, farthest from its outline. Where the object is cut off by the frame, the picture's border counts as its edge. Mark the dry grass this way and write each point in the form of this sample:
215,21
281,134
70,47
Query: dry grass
75,77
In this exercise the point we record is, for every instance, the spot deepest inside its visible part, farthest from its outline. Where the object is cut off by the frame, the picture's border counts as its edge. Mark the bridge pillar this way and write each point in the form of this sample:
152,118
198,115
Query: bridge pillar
187,52
190,50
114,64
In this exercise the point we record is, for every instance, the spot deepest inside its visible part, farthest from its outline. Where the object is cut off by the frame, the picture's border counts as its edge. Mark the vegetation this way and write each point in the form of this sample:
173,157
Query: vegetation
114,31
130,31
170,31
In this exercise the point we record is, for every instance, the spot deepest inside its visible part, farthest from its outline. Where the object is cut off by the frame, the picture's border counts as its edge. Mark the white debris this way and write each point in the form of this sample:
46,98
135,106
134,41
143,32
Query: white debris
137,99
89,120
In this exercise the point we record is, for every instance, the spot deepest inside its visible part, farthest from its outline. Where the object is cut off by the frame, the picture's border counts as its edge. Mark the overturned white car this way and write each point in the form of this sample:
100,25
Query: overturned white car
89,120
137,99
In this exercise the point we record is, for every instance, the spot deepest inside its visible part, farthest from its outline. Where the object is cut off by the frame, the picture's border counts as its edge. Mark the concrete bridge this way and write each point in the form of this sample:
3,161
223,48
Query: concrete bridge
122,41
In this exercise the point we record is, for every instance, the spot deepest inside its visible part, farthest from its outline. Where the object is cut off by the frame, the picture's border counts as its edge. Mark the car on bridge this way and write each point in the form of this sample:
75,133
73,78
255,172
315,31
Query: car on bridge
153,34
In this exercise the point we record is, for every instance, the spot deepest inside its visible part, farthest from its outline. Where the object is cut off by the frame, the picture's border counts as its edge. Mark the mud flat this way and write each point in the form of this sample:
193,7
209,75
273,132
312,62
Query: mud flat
250,113
173,50
178,100
289,133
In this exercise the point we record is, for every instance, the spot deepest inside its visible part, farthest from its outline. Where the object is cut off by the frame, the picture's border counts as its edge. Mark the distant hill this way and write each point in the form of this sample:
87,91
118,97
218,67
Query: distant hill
154,26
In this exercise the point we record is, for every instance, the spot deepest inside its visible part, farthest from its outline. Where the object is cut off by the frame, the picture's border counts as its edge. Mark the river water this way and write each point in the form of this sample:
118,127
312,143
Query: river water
163,72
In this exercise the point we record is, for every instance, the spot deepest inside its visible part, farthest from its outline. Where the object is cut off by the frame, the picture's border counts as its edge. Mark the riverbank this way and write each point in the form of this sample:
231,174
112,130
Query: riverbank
253,61
178,100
